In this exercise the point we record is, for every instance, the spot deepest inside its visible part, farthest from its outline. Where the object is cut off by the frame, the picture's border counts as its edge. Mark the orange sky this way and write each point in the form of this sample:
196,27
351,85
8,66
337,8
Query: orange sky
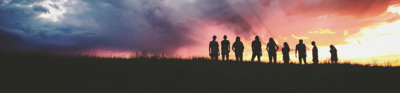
360,39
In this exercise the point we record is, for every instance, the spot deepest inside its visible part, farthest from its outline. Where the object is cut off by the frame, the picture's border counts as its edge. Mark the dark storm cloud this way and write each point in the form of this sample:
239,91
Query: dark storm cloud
111,24
40,9
224,14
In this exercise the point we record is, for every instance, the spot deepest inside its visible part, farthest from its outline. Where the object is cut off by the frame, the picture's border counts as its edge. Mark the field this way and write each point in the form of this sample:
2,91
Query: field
46,73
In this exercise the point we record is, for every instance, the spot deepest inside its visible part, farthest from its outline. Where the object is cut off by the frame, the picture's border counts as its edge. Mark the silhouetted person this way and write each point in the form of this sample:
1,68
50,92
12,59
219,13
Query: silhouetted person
285,53
256,47
301,48
238,47
333,51
213,49
225,48
315,53
272,48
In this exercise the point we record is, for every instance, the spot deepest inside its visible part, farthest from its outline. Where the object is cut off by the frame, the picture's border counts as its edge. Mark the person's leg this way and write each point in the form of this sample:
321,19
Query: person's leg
274,58
223,56
305,61
270,57
237,57
227,56
241,57
259,58
285,61
252,58
300,59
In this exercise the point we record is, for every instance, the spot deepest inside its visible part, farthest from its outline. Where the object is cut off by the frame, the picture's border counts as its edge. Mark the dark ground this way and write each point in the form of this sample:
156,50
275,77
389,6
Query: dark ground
42,73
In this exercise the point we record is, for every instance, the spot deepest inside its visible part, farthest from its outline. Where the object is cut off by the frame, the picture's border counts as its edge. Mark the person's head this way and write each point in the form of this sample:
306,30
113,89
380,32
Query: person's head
285,44
225,37
237,38
300,41
214,37
332,47
313,43
257,38
271,40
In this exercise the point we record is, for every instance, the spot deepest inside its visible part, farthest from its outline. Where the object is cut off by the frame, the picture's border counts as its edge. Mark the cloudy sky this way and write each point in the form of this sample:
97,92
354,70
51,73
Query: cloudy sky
185,27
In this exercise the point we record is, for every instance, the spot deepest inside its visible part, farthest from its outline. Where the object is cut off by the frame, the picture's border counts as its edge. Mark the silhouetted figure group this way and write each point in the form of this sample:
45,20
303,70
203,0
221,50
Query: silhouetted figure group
285,53
272,48
314,53
238,48
225,48
214,49
333,51
256,47
301,48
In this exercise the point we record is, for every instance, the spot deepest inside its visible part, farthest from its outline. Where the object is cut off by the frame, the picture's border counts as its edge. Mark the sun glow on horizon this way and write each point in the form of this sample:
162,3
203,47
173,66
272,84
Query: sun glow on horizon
371,45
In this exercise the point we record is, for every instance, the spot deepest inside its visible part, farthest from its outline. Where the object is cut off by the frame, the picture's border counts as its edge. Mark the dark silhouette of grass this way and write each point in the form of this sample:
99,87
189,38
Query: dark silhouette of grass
43,72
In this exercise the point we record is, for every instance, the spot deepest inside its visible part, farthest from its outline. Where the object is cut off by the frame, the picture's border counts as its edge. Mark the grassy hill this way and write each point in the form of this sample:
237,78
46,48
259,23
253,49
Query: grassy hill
39,73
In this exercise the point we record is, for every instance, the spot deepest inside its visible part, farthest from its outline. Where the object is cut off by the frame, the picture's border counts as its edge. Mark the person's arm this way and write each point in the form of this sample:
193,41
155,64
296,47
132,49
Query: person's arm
252,46
305,50
218,49
267,48
241,46
260,48
209,49
295,52
233,48
277,47
229,47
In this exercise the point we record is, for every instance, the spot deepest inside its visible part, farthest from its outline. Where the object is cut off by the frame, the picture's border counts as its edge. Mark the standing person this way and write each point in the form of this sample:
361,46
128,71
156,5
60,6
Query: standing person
238,47
272,48
315,53
256,47
285,53
301,48
213,49
334,57
225,48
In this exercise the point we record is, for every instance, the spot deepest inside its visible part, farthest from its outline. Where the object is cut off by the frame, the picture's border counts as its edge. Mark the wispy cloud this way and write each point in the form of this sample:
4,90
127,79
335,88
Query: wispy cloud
300,37
322,31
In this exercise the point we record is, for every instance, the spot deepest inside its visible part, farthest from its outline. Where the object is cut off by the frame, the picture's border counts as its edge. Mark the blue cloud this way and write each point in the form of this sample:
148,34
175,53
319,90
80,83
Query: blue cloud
40,9
117,24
